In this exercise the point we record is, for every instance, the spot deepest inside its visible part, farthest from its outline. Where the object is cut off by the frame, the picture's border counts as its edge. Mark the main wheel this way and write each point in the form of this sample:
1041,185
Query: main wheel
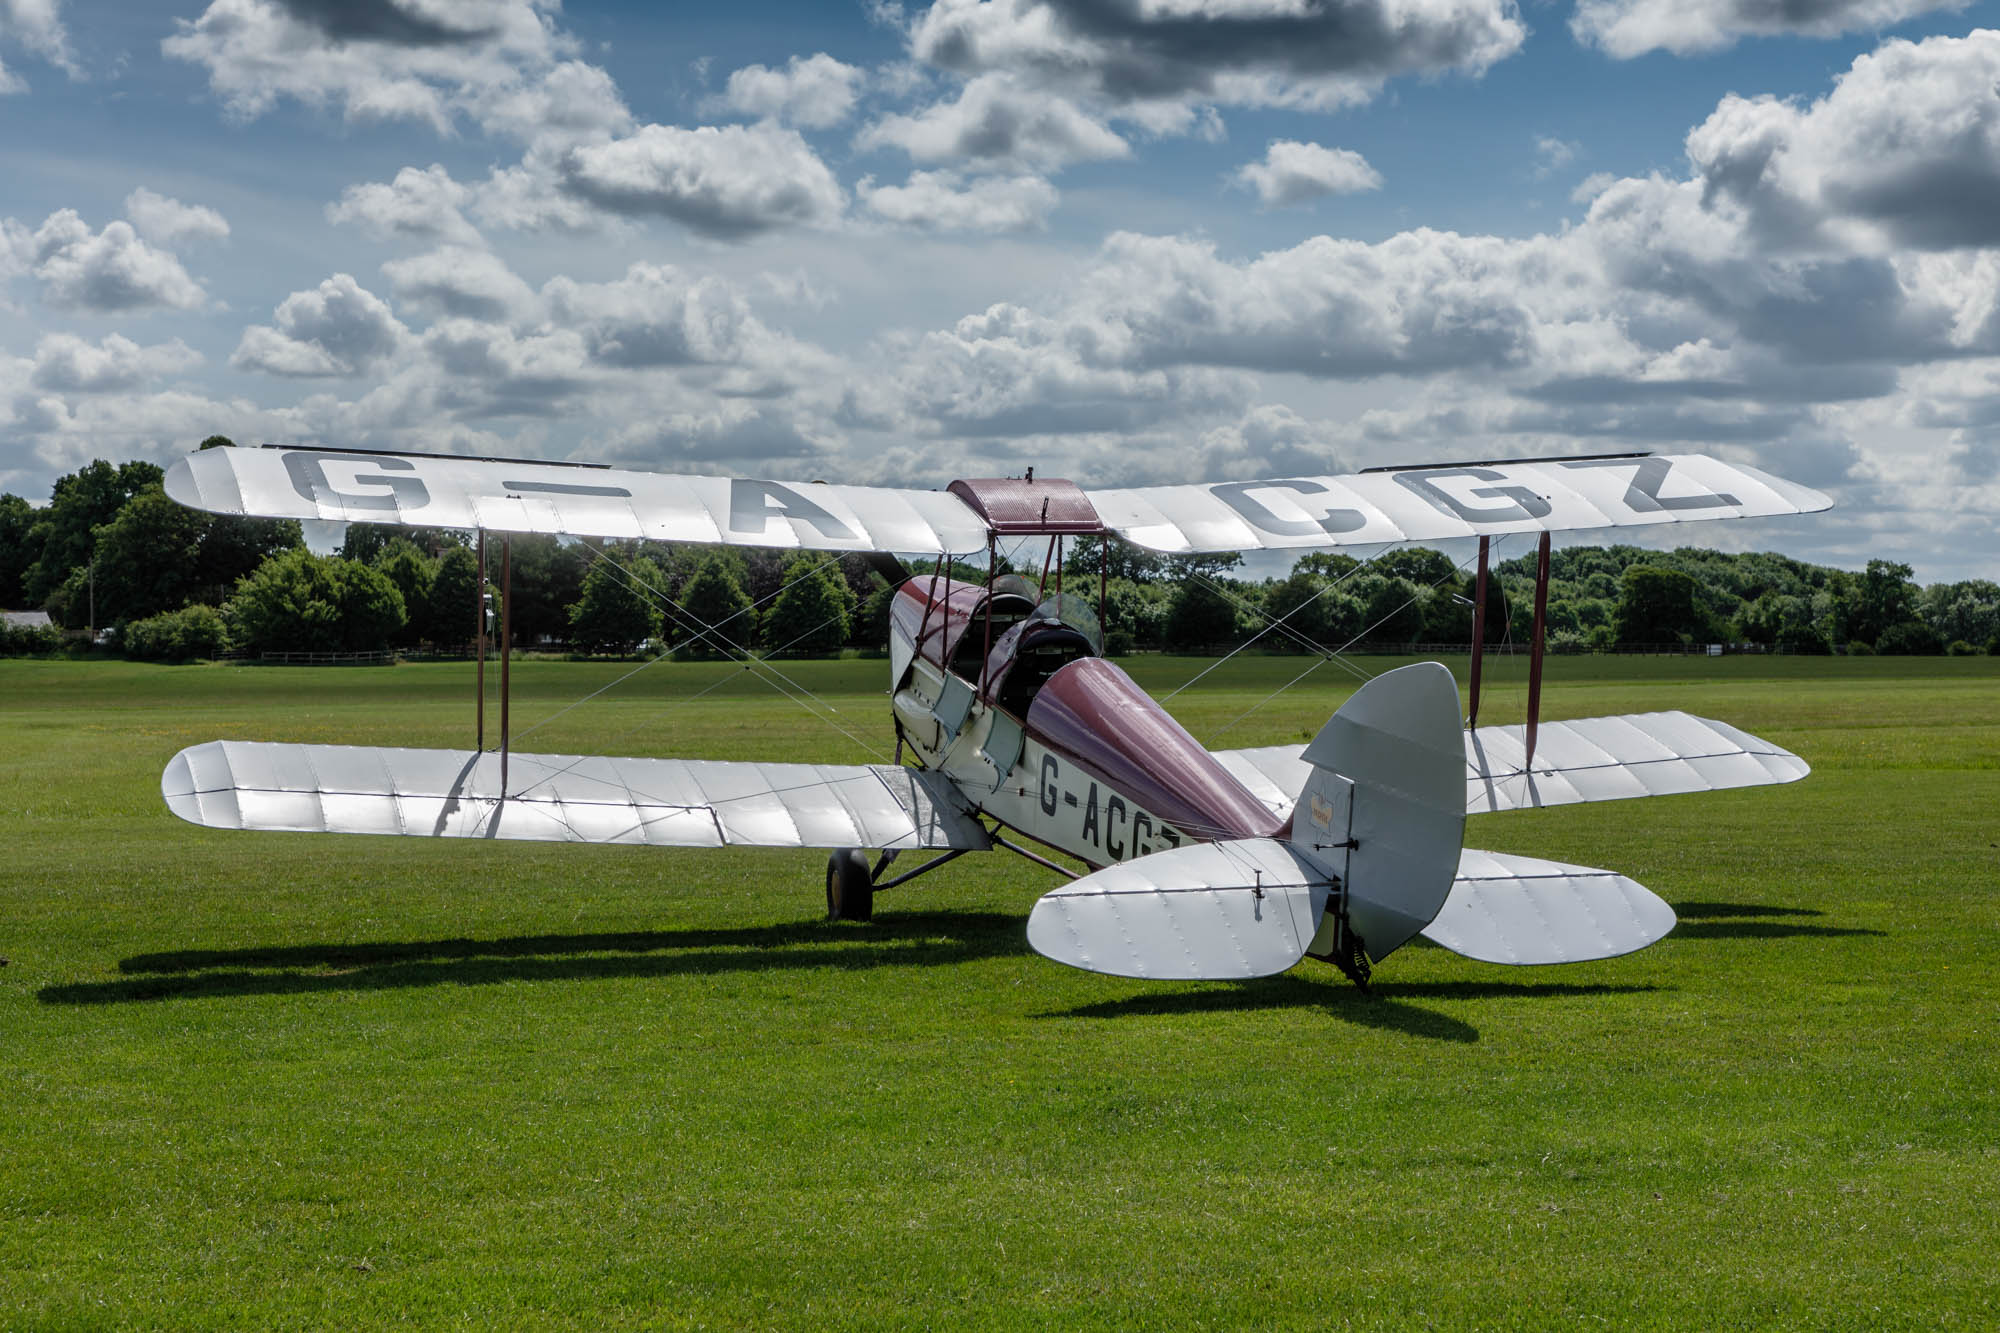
850,889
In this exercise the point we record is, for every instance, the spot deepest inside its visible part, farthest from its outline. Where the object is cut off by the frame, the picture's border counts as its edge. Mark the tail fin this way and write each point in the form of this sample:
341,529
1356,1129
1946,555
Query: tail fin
1384,810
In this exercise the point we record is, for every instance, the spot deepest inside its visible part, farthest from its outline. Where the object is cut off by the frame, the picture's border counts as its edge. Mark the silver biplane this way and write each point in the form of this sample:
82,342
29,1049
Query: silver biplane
1010,724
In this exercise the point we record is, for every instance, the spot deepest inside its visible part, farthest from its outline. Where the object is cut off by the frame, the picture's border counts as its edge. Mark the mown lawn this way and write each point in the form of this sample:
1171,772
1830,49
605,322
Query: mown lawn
277,1081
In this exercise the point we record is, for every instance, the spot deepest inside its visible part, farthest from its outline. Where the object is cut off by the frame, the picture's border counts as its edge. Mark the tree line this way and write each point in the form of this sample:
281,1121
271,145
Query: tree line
110,550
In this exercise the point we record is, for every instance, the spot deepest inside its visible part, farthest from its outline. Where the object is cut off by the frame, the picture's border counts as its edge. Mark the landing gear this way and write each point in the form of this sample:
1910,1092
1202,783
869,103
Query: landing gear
850,886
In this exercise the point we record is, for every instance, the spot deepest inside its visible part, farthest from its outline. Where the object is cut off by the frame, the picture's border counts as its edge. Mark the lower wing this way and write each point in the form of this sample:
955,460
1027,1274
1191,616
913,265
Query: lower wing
564,798
1585,759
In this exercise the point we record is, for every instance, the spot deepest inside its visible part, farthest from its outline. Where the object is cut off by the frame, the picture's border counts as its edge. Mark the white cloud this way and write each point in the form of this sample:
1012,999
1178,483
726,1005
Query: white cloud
657,316
816,91
997,122
423,60
418,202
67,363
1908,142
454,280
167,222
569,103
1553,154
1296,173
338,328
942,201
1627,28
726,182
102,272
36,25
1246,52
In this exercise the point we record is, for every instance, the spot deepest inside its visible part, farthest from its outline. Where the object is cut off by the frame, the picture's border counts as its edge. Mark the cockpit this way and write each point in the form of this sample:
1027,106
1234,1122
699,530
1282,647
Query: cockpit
1055,633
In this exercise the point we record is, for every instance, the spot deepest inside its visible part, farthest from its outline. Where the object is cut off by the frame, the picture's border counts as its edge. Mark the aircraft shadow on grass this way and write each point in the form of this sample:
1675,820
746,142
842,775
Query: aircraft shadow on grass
915,939
1728,921
1382,1007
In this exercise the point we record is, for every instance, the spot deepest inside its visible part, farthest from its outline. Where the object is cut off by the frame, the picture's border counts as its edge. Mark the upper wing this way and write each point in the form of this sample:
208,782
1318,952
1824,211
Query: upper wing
564,798
432,490
1409,504
1430,503
1585,759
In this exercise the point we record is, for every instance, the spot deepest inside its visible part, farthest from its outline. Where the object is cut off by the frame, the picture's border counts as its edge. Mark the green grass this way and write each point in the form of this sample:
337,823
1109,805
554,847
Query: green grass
264,1081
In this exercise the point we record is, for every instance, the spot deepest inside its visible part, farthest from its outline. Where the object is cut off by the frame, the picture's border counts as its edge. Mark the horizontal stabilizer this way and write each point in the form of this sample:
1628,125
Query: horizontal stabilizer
1516,909
1585,759
564,798
1204,912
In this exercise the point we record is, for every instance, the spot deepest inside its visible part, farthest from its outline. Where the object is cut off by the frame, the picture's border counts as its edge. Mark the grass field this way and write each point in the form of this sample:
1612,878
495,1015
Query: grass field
277,1081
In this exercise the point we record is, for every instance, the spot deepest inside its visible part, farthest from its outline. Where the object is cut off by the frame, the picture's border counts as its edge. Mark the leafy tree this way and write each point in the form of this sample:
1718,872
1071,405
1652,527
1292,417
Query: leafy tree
1394,611
1910,638
301,602
176,636
365,541
1134,564
1419,564
1199,617
449,614
1300,601
17,518
157,555
1883,596
720,608
63,535
810,617
1657,605
1968,610
412,572
616,608
548,578
1203,564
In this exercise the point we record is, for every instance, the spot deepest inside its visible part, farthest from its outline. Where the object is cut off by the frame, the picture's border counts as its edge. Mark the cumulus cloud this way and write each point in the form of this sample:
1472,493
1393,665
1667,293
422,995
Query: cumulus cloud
739,436
1553,154
423,60
1627,28
338,328
492,370
1252,52
168,222
454,280
1297,173
726,182
816,91
942,201
36,25
422,202
660,317
66,363
101,272
997,122
1908,141
1808,257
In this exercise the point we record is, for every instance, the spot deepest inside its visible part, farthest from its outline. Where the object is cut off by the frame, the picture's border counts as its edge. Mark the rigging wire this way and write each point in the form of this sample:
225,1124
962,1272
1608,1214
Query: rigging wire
1338,654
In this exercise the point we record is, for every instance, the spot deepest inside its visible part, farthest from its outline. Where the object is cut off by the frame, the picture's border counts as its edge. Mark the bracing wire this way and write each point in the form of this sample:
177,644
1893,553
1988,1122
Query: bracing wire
1338,654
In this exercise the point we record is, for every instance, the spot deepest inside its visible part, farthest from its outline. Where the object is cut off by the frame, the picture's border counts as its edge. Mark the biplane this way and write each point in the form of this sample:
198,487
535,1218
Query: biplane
1013,730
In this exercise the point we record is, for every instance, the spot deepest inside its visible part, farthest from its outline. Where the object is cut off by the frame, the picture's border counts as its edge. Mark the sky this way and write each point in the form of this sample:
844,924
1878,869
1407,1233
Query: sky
1125,241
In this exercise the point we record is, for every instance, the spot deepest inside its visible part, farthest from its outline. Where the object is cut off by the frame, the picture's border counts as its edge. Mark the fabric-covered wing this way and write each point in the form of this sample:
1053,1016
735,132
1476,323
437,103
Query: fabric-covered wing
1613,758
1585,759
1516,909
564,798
435,491
1431,503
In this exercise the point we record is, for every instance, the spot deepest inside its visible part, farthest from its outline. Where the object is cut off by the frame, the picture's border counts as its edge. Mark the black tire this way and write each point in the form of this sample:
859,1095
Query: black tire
850,888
